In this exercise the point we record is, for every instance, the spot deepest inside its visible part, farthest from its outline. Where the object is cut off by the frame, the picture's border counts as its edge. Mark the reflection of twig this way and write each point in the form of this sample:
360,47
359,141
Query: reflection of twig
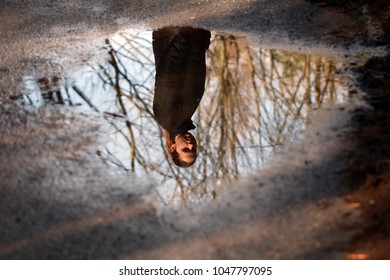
113,159
85,98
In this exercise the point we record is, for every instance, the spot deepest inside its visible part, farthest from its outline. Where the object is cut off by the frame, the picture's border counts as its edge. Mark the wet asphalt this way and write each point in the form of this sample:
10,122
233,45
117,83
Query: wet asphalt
59,201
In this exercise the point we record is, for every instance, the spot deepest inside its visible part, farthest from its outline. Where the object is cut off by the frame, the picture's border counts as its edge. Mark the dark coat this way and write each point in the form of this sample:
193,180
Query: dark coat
180,76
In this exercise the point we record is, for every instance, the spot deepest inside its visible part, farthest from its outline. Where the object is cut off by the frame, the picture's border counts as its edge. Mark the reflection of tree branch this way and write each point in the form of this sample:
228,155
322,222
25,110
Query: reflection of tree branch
85,98
113,159
123,109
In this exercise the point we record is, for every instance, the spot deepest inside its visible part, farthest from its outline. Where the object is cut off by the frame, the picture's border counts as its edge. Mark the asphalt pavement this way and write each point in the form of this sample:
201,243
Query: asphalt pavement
58,200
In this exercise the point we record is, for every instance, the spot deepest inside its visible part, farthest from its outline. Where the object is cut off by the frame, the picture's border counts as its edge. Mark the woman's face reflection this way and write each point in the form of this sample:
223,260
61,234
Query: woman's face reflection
186,146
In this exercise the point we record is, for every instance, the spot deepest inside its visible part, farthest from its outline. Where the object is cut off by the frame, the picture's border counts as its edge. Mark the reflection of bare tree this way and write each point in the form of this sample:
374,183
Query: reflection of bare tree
255,99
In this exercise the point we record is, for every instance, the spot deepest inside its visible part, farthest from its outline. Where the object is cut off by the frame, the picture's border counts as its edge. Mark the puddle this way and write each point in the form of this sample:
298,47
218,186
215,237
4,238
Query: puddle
254,101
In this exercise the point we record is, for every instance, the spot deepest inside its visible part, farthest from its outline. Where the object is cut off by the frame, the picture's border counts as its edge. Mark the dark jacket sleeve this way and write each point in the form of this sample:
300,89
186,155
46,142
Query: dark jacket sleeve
180,76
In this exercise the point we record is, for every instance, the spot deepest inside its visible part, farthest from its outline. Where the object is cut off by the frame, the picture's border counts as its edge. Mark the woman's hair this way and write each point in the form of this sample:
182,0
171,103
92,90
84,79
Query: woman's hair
174,154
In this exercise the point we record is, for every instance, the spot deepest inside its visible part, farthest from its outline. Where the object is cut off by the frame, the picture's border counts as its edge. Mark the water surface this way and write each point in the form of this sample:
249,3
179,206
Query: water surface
255,101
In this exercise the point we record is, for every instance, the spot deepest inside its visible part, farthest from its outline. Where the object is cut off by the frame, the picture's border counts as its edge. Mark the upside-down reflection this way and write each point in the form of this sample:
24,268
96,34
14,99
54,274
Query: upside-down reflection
180,76
254,101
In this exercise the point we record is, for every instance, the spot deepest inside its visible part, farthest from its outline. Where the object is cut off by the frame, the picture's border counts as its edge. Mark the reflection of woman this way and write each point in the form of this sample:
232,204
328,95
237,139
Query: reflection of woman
180,77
